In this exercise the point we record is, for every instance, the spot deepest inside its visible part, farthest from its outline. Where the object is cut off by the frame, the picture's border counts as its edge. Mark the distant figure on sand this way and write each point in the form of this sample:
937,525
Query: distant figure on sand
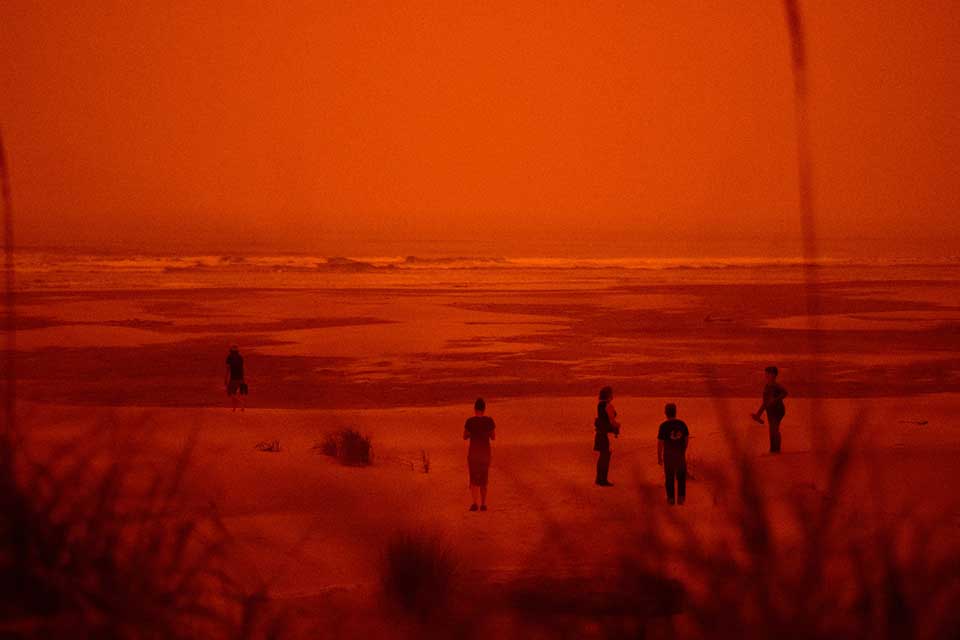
479,430
236,387
773,395
605,424
672,453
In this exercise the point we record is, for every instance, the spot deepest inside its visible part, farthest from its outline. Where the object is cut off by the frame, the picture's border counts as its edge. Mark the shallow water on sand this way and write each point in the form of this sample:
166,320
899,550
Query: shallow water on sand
403,330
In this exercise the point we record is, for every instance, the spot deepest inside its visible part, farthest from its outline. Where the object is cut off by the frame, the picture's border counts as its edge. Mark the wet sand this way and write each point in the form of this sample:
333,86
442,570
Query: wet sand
439,345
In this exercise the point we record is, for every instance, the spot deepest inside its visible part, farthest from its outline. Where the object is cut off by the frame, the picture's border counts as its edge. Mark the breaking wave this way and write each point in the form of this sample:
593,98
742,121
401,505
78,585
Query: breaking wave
58,262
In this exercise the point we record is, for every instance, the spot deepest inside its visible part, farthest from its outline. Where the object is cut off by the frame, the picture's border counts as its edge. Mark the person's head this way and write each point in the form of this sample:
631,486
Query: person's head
771,373
479,406
606,394
234,348
670,410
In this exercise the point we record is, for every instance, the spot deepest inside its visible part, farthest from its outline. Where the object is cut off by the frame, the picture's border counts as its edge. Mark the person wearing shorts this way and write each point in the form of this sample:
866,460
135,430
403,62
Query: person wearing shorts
479,430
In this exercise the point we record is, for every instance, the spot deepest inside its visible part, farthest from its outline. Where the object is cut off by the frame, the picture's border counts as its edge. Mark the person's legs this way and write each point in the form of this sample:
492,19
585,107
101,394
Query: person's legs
233,390
603,467
774,422
483,474
479,469
668,473
682,484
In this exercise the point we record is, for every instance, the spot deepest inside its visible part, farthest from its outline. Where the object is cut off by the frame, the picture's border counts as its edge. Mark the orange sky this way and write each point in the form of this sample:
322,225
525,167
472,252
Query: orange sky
304,124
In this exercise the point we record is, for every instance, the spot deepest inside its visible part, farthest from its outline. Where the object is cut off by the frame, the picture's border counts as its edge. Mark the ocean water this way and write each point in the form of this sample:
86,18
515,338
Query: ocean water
64,269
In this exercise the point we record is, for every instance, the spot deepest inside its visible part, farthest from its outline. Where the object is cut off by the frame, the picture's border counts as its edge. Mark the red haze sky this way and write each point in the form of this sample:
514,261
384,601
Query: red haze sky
302,124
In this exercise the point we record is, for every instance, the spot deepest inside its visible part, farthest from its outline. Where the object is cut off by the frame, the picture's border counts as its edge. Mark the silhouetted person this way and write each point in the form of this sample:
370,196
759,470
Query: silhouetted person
236,387
605,424
773,395
672,453
479,430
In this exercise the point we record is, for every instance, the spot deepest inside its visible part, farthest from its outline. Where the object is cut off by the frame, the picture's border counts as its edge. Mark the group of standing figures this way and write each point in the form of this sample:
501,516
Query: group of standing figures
672,438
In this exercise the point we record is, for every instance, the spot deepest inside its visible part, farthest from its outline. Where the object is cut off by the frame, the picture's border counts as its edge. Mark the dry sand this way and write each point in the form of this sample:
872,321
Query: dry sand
312,530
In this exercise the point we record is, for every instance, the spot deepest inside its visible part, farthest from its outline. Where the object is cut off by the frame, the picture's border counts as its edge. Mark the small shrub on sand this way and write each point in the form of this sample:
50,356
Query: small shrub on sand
270,446
418,573
348,446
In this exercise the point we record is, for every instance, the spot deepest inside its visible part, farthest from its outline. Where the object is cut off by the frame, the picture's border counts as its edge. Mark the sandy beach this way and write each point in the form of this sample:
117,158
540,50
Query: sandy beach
402,361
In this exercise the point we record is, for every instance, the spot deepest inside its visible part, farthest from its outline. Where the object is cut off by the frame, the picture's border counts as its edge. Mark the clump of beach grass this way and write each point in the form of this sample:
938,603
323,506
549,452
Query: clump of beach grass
269,446
347,445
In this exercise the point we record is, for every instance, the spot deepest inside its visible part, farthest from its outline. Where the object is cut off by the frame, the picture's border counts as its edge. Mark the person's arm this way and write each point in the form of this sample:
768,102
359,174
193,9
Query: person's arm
226,377
659,452
466,432
763,407
612,416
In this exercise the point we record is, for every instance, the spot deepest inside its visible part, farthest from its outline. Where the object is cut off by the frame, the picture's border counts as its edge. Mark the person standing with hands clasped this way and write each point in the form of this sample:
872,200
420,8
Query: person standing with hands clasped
605,424
672,454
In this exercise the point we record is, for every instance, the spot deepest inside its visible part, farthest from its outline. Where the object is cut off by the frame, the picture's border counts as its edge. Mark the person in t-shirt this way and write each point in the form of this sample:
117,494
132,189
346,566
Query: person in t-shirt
479,430
236,387
672,453
773,395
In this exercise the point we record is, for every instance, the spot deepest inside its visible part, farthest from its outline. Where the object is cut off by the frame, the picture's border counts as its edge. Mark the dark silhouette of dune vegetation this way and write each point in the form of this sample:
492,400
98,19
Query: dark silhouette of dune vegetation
95,543
418,573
